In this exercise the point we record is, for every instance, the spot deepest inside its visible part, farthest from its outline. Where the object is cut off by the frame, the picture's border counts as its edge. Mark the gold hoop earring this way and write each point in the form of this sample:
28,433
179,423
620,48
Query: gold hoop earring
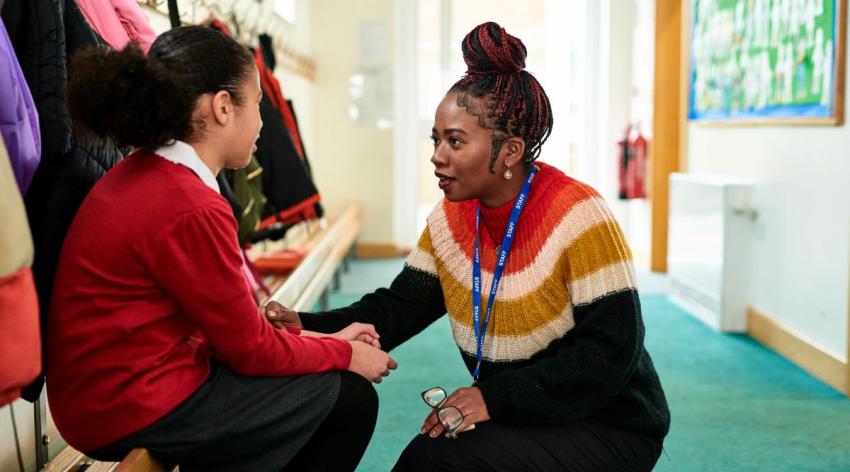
508,174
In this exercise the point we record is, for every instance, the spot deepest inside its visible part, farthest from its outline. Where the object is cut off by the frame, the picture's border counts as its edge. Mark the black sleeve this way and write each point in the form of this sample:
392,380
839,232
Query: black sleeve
413,301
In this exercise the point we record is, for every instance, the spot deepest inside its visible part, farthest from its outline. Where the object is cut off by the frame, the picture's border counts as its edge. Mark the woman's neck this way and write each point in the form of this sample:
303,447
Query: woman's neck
506,192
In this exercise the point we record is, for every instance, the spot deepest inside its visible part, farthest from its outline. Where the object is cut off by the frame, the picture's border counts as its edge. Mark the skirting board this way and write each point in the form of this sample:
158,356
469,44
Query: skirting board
373,250
820,364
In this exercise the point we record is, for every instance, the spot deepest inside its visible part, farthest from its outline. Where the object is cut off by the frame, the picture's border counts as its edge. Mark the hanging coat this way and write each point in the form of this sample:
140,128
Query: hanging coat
247,186
266,63
44,34
118,22
318,206
18,116
290,193
287,182
19,331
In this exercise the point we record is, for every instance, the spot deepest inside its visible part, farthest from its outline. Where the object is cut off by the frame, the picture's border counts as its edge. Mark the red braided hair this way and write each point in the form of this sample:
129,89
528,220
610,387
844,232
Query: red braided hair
497,89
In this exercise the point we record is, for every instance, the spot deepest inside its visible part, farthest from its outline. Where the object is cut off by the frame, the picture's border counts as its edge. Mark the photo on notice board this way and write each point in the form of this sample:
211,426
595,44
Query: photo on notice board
769,61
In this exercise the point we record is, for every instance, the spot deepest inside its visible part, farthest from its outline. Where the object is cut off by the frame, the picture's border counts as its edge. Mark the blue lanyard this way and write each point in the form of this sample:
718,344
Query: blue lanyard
507,240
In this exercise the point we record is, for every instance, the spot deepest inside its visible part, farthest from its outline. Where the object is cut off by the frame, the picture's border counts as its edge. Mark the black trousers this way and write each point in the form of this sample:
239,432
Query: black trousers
583,446
238,423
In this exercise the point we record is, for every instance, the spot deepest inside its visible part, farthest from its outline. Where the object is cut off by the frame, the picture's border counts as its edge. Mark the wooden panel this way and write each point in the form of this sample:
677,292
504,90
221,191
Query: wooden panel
104,467
342,242
69,460
668,122
299,291
813,360
840,72
381,250
140,460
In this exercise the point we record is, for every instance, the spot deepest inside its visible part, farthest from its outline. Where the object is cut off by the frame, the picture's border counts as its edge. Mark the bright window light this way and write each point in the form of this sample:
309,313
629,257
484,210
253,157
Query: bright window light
285,9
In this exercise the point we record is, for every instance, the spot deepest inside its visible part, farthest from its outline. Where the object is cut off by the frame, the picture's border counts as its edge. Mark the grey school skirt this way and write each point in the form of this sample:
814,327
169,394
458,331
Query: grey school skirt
235,423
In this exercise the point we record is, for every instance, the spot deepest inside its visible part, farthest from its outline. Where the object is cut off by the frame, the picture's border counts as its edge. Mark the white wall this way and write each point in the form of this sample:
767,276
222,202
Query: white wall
24,414
296,87
351,162
800,260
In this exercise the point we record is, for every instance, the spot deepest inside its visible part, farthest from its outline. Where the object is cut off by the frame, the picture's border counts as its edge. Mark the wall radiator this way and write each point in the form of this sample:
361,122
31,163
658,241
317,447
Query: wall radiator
709,248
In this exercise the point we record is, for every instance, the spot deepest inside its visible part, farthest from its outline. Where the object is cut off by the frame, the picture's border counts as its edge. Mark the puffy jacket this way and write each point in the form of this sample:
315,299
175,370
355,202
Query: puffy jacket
44,34
118,22
18,116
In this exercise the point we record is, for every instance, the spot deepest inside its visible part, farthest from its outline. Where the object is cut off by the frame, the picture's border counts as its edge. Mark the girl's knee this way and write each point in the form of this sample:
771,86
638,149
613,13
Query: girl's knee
357,395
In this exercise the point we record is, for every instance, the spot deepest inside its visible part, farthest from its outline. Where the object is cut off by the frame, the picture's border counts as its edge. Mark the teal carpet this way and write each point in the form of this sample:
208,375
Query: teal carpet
735,405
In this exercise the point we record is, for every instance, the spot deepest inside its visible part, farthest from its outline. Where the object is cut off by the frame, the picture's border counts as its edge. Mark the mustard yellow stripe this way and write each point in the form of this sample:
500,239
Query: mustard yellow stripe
422,256
599,246
517,317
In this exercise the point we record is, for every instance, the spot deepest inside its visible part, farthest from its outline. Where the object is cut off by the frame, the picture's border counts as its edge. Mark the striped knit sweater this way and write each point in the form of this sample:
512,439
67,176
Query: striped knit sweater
565,340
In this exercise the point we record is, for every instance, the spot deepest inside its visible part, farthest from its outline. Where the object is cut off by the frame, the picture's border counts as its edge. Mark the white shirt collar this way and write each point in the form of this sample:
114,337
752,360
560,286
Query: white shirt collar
185,155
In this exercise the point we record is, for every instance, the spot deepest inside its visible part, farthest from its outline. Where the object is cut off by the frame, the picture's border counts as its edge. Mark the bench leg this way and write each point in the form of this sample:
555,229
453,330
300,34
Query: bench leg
325,300
42,440
337,283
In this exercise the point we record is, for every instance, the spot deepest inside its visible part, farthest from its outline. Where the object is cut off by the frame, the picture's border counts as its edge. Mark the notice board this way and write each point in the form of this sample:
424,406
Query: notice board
767,61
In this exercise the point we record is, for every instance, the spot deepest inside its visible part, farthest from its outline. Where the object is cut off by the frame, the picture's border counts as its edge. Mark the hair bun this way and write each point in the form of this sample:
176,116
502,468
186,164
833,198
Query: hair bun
126,96
489,48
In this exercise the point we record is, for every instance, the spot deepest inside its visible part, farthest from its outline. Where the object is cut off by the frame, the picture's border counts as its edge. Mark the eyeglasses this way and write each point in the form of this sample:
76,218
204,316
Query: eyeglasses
450,417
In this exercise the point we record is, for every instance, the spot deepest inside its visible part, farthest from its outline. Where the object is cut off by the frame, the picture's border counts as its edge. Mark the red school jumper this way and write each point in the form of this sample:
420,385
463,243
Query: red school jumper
148,288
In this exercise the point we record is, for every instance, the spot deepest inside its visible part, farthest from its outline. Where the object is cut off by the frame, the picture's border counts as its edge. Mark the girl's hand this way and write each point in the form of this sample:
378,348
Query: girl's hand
359,332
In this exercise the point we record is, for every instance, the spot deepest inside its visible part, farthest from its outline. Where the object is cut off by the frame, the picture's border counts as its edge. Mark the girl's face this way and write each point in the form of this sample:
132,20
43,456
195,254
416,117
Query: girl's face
245,127
462,153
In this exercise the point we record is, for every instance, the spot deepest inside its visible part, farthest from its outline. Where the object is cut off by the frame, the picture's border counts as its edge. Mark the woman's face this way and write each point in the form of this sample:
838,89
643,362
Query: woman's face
462,152
246,124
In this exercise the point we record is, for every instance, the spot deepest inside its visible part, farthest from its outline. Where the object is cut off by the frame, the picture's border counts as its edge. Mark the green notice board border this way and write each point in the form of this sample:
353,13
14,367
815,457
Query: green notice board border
767,62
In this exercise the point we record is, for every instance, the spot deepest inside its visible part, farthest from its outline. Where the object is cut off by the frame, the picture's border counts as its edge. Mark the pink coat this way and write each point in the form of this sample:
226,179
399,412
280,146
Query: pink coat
118,22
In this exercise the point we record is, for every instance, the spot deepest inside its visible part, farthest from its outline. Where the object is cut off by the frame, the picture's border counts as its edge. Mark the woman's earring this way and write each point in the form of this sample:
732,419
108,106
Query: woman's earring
508,174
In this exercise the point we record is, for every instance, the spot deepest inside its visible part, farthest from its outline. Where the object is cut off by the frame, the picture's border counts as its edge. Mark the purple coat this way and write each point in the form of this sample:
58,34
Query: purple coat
18,116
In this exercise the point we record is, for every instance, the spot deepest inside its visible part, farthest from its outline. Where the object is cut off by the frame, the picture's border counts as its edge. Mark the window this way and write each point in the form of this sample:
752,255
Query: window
285,9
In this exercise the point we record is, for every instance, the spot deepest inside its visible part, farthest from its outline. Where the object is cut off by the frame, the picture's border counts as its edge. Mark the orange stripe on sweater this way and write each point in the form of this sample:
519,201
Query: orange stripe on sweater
534,228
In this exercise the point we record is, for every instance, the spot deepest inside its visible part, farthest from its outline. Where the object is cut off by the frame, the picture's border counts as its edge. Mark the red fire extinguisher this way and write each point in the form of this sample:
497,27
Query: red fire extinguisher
631,169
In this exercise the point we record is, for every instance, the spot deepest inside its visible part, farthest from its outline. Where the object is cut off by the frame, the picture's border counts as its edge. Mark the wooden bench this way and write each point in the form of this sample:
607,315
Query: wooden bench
330,244
72,460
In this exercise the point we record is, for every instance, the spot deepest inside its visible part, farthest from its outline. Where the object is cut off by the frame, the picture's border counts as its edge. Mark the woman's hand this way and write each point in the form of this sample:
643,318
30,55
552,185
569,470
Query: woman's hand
371,363
469,401
280,316
359,332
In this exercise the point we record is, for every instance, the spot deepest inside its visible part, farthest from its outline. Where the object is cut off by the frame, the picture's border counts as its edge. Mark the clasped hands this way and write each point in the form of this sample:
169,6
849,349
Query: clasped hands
368,360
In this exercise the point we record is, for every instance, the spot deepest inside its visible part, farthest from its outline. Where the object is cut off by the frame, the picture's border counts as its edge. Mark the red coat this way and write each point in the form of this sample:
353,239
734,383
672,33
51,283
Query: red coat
20,345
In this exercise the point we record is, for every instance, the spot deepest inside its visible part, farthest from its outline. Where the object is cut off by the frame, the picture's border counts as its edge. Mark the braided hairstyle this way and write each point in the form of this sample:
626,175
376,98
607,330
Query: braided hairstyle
504,97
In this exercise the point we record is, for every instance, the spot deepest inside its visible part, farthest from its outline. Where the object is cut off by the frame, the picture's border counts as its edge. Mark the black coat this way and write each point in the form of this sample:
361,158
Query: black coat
286,178
45,33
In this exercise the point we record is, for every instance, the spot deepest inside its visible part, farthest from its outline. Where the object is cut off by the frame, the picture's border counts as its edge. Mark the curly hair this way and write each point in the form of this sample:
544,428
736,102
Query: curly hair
148,101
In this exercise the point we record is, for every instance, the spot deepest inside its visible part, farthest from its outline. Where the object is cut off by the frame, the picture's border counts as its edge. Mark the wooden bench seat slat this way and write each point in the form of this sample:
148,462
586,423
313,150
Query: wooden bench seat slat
102,467
69,460
140,460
